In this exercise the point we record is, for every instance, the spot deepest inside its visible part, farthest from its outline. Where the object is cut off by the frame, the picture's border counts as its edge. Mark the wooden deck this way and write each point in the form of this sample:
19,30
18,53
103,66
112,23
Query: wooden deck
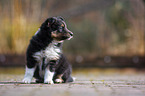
89,82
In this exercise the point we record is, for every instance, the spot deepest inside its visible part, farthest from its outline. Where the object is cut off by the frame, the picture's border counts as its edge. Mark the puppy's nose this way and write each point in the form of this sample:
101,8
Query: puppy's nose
70,33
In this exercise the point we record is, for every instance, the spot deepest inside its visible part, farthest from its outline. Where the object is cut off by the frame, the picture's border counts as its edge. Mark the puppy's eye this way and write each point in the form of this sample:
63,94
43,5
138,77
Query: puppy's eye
60,29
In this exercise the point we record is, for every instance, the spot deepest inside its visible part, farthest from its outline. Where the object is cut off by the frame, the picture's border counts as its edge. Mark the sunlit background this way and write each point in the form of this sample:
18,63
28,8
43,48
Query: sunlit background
107,33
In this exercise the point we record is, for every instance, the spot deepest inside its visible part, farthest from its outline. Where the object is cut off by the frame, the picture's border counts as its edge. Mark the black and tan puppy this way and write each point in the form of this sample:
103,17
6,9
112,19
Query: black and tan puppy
45,60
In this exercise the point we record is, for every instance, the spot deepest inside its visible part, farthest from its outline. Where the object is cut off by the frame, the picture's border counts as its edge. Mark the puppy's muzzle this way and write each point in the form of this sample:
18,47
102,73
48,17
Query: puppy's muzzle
70,34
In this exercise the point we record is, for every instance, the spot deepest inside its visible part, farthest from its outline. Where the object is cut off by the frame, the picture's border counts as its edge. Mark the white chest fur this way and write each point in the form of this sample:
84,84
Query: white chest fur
52,52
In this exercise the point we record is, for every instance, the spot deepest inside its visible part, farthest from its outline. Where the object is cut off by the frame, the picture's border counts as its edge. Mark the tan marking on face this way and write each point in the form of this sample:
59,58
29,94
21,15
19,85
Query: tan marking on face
54,34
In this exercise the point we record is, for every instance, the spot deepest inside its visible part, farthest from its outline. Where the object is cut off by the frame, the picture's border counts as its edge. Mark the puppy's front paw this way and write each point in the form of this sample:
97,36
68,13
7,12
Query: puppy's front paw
58,80
48,82
27,80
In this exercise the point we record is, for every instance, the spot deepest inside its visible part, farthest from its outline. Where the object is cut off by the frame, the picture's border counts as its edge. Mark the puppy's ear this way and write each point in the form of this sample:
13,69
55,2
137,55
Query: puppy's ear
59,17
48,22
51,21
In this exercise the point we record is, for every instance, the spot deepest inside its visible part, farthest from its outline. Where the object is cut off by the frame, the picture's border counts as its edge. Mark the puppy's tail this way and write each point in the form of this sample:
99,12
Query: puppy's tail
71,79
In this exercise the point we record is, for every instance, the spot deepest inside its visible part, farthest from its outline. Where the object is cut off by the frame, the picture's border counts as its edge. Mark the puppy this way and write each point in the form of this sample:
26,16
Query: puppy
45,60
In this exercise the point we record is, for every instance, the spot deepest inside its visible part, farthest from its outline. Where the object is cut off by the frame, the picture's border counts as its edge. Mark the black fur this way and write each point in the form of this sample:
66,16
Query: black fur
41,41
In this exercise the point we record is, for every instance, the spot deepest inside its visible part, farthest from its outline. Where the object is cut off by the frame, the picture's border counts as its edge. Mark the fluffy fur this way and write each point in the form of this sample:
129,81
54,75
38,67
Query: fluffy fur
45,60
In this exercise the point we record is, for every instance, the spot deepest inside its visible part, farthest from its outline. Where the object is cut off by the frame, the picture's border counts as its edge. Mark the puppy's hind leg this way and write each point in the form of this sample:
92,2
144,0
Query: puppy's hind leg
58,78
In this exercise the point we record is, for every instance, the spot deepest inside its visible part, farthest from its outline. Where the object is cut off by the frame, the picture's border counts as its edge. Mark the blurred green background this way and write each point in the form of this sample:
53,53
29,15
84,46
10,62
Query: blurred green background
105,31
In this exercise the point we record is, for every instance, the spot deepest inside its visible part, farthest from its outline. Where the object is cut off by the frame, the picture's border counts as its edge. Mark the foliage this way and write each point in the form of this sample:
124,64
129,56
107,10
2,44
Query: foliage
100,27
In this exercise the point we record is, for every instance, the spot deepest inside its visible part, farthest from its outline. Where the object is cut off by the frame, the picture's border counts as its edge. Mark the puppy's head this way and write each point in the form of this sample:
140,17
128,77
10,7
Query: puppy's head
59,29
